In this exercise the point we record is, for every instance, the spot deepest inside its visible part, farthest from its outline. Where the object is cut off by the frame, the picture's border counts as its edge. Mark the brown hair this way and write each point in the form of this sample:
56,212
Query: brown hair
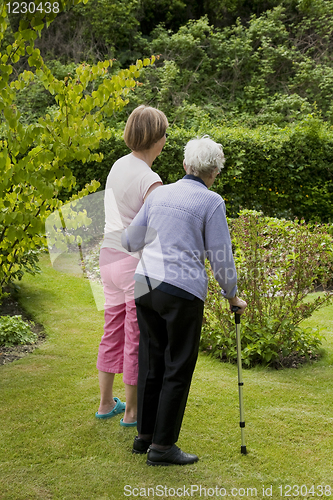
144,127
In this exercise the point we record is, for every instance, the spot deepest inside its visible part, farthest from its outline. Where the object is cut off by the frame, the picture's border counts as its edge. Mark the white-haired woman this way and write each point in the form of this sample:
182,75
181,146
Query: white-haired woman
190,224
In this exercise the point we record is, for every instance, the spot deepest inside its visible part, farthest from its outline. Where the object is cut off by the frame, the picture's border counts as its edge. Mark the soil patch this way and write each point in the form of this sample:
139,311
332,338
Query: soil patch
10,307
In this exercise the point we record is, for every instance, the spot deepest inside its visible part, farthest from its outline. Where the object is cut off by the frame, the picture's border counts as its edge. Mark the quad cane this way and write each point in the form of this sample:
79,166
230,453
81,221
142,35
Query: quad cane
240,379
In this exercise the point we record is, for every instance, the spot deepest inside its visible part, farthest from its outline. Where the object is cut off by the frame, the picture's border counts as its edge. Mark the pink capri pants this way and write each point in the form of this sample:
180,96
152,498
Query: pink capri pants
118,350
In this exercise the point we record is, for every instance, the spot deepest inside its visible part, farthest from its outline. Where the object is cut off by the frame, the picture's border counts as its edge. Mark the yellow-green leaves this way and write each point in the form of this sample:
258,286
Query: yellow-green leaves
33,158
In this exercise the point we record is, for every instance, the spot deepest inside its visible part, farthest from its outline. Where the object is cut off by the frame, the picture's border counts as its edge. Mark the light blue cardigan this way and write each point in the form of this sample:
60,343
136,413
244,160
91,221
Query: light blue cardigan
179,226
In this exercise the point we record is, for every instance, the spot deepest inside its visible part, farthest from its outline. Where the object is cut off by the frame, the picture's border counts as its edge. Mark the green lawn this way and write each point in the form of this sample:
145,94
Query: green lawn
52,447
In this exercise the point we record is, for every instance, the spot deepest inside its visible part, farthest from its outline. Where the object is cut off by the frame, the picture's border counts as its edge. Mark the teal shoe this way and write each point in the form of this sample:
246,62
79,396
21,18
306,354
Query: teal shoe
124,424
119,408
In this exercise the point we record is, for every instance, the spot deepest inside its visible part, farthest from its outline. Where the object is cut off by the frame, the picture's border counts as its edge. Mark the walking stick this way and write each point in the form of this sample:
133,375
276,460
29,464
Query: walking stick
240,379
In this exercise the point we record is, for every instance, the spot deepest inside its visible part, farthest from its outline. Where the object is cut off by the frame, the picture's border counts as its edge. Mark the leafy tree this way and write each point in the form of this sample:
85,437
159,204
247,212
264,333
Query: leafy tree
268,62
34,100
265,71
34,157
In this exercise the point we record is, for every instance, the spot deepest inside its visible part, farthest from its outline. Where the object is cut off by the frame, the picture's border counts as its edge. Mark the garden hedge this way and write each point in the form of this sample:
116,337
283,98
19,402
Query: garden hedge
282,172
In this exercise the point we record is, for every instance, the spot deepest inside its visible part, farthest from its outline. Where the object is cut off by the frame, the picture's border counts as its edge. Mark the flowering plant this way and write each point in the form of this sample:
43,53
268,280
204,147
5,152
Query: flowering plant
279,263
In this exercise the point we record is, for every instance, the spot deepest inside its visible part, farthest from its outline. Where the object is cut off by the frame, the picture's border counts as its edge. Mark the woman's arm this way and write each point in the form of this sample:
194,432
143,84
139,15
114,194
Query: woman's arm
151,189
219,252
138,234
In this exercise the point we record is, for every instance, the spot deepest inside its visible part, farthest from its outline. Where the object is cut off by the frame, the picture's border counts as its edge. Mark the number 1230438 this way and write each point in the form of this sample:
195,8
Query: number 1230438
31,7
305,491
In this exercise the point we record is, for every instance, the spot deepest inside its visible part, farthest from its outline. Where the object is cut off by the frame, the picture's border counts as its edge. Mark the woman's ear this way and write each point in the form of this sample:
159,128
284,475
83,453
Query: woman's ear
184,165
215,173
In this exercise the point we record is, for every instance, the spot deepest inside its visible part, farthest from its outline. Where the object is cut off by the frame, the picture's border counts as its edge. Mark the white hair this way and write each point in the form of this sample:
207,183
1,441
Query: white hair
202,156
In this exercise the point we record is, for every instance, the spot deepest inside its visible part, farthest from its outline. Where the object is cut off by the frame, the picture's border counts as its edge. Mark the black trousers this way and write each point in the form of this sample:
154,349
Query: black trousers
170,330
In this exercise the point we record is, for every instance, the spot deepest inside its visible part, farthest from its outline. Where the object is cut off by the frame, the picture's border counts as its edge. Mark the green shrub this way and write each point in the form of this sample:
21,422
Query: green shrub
279,263
13,330
282,172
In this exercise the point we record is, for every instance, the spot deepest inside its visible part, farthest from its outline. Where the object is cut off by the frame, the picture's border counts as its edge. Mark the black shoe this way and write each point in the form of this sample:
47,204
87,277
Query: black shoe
174,456
140,446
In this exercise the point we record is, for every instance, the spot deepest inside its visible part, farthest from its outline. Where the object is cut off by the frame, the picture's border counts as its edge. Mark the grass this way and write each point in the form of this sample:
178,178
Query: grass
52,447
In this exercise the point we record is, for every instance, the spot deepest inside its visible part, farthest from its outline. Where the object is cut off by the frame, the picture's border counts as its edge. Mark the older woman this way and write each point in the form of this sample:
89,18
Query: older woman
186,223
128,185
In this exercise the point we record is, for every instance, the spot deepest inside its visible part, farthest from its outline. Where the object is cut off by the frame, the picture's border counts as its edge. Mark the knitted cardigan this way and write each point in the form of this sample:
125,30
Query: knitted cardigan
179,226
